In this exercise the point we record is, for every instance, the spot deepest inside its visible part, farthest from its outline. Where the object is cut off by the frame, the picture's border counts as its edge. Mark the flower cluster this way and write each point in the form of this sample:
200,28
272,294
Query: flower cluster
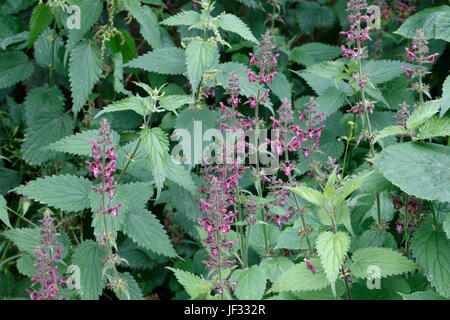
45,264
104,165
280,196
265,60
312,133
413,219
402,115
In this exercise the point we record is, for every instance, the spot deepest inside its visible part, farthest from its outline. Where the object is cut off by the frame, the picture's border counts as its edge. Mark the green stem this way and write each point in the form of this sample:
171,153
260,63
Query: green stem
130,159
22,217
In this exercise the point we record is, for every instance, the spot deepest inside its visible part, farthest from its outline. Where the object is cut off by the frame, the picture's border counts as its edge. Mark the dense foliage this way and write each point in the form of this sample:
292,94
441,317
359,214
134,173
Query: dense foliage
119,179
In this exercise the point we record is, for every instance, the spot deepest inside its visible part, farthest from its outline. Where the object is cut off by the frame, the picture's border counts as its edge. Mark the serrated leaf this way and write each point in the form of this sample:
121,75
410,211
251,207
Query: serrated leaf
422,295
434,127
131,290
280,87
388,261
199,55
309,194
90,11
300,278
332,249
87,257
136,104
4,212
422,114
274,267
431,248
251,284
41,17
350,186
66,192
330,100
174,102
230,22
196,287
390,131
176,173
424,163
184,18
78,144
314,52
85,67
163,61
146,231
445,100
147,21
26,239
381,71
14,67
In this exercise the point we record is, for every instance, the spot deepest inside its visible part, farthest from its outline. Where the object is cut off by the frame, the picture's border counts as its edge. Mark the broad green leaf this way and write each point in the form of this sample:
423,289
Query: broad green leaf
85,67
230,22
423,295
90,11
25,265
330,100
176,173
422,114
381,71
78,144
300,278
199,55
390,131
157,145
184,18
311,14
87,257
431,248
388,261
41,17
446,225
147,21
137,104
332,249
314,52
350,186
251,283
274,267
146,231
26,239
163,61
433,21
196,287
445,100
434,127
14,67
424,163
174,102
309,194
4,212
131,290
281,87
66,192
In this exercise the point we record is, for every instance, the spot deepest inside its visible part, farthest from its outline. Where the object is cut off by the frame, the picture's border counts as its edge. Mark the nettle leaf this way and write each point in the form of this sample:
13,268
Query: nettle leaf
87,257
174,102
431,248
132,290
4,212
300,278
196,287
422,295
184,18
350,186
446,225
90,11
78,144
176,173
311,15
85,67
309,194
424,163
199,55
390,131
136,104
445,100
422,114
332,249
434,127
433,21
251,283
146,231
14,67
41,17
66,192
314,52
147,21
390,262
330,100
229,22
26,239
156,143
381,71
163,61
274,267
281,87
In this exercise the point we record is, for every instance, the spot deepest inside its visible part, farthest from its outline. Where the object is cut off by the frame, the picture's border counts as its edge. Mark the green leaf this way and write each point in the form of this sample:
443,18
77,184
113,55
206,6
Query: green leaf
163,61
87,257
184,18
90,11
446,225
229,22
251,283
132,290
431,248
41,17
85,67
422,114
311,15
390,262
180,176
330,100
274,267
300,278
157,145
137,104
26,239
332,249
434,127
199,55
350,186
4,212
424,163
25,265
309,194
14,67
433,21
314,52
445,100
390,131
196,287
281,87
146,231
147,21
381,71
422,295
174,102
78,144
66,192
